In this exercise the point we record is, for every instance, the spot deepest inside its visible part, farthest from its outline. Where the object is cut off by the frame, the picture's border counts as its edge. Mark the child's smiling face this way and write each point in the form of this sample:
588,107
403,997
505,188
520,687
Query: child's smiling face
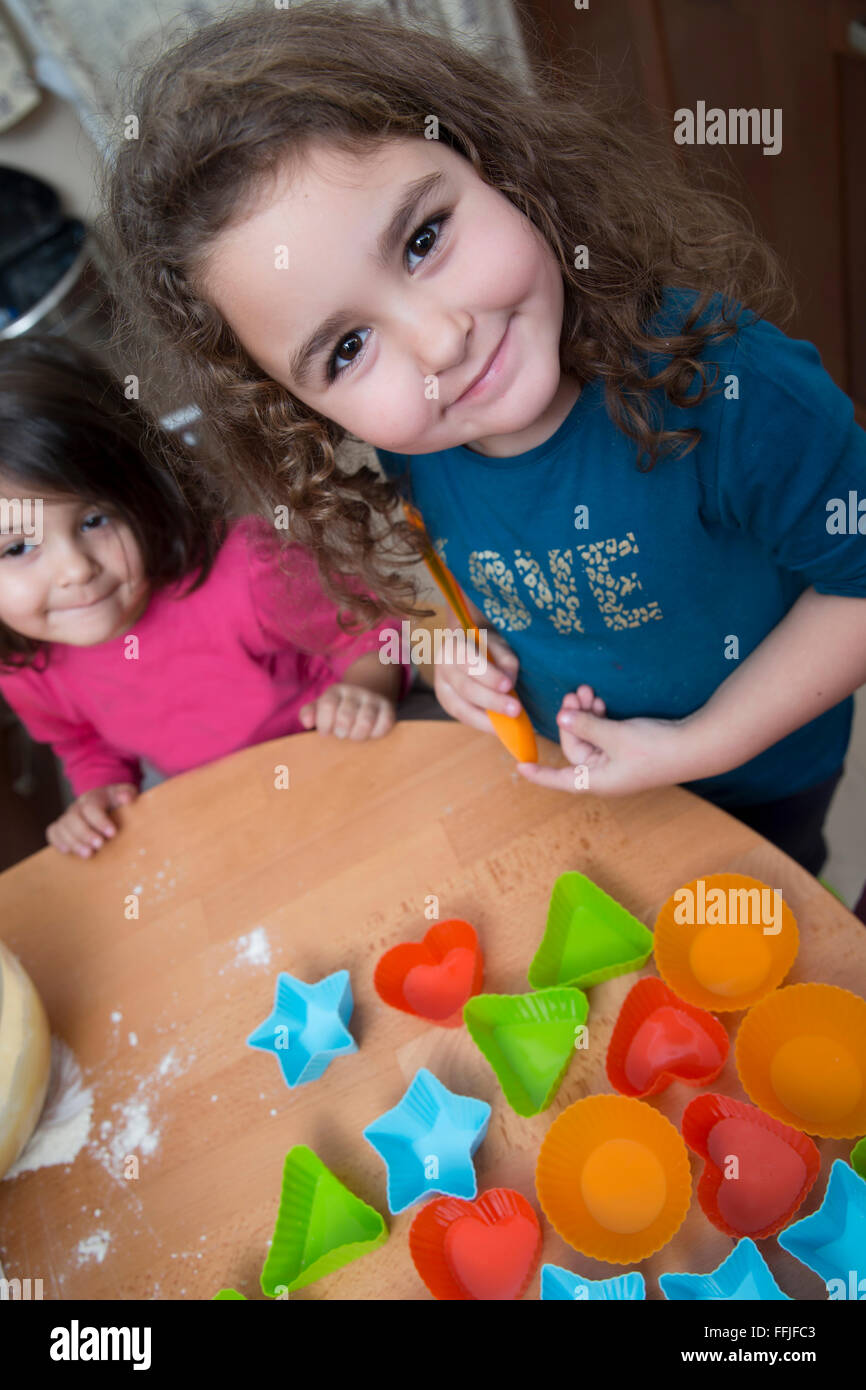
465,281
77,578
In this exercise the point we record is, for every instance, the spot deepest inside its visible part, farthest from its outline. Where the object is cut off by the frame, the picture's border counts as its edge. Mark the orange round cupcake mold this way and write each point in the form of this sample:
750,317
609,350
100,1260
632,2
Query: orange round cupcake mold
658,1038
725,941
776,1166
487,1249
435,977
801,1056
613,1178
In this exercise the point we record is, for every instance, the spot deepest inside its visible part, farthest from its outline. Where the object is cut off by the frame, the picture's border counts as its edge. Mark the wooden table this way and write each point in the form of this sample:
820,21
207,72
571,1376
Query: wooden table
336,868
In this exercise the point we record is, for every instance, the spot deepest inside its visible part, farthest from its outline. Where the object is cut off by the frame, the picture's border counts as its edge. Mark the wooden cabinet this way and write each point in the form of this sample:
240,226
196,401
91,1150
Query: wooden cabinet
805,57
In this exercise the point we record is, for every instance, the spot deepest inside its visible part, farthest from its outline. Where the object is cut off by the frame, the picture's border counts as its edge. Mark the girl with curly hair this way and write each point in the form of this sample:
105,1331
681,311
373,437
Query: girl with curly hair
338,227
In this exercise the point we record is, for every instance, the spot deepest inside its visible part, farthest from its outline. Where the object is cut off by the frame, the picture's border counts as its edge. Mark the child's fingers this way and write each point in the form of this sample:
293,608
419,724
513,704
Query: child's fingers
577,750
326,711
73,831
56,836
367,711
488,691
503,656
385,719
349,708
307,714
95,817
583,698
460,709
450,696
121,794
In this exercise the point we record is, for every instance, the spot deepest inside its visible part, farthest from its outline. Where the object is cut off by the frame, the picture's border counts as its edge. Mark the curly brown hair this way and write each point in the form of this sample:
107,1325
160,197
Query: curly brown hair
221,111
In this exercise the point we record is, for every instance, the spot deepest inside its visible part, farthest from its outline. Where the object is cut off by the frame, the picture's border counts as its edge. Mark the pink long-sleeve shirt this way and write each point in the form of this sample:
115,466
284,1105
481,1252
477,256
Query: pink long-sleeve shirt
222,668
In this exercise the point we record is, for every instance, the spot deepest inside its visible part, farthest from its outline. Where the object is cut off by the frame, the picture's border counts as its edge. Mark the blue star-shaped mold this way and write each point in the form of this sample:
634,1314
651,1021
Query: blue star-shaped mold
832,1241
308,1026
559,1285
427,1142
743,1275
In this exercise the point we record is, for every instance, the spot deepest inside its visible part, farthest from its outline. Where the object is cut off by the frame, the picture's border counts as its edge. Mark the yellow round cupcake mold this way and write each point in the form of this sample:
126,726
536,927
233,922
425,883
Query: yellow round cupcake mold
801,1056
725,941
613,1178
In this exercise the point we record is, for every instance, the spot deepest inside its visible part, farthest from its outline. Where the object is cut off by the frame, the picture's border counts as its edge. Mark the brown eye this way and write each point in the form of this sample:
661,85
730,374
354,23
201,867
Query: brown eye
355,344
422,242
350,348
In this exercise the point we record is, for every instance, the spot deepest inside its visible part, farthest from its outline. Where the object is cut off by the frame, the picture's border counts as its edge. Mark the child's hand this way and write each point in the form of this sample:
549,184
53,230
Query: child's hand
620,756
349,711
85,824
466,697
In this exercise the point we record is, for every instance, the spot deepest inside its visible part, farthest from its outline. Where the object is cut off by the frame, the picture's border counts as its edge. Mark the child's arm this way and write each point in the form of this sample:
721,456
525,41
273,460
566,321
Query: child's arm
353,692
101,777
812,660
88,760
788,469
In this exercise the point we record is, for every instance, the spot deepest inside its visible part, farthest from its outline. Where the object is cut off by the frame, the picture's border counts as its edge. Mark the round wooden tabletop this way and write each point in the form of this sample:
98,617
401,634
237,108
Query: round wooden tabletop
237,877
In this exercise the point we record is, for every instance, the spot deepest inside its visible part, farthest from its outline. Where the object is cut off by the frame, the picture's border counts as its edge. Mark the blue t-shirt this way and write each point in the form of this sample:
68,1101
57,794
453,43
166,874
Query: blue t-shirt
670,578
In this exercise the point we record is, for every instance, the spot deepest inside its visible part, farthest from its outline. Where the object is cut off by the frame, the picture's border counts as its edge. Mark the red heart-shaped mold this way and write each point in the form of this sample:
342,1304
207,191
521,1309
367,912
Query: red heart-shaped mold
658,1038
486,1250
433,978
757,1171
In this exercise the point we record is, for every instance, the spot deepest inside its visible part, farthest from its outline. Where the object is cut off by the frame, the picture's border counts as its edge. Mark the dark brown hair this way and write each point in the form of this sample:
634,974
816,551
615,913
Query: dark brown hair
68,430
223,111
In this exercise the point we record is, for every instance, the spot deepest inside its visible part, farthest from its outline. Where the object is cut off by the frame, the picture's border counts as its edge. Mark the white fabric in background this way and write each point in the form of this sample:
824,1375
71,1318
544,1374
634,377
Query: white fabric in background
80,46
18,93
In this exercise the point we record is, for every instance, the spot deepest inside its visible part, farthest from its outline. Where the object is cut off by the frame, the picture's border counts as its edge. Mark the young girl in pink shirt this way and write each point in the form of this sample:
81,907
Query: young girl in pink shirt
135,622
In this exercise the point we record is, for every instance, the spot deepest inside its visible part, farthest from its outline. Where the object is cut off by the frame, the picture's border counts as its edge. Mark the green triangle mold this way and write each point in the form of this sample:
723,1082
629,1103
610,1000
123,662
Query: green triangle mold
320,1227
589,937
528,1039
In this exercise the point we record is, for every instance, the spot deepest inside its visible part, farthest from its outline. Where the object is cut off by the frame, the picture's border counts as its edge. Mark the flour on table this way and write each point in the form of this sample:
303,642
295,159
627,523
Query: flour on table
93,1247
64,1124
134,1132
253,949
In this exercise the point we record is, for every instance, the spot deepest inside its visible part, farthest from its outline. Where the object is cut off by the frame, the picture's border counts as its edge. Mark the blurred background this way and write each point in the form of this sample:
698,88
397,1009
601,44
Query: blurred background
60,61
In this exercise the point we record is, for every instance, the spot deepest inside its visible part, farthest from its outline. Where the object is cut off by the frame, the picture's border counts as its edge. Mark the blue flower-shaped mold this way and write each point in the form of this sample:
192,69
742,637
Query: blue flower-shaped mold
308,1026
559,1285
427,1142
743,1275
832,1241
